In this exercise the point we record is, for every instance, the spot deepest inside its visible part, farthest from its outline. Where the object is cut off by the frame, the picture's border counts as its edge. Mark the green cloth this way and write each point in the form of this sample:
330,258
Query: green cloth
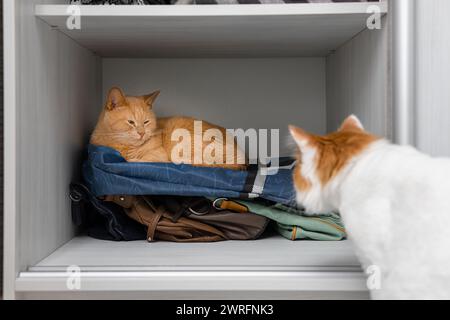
293,224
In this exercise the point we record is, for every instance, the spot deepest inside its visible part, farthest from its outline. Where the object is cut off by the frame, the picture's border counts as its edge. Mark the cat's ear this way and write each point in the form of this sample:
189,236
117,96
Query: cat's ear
352,123
116,98
151,98
301,137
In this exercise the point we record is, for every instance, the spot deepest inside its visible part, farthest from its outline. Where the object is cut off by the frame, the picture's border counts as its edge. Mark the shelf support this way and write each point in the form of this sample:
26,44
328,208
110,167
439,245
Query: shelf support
403,15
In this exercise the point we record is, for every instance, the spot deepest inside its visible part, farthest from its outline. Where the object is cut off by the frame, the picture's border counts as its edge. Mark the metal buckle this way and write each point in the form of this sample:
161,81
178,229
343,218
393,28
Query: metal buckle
75,197
215,203
198,213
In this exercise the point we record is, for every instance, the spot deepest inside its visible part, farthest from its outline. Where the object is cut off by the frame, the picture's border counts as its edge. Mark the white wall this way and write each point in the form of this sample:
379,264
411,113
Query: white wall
432,125
358,80
234,93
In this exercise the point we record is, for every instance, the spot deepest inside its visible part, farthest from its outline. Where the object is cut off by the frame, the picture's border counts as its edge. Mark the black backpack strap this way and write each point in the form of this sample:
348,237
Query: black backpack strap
79,196
252,173
257,176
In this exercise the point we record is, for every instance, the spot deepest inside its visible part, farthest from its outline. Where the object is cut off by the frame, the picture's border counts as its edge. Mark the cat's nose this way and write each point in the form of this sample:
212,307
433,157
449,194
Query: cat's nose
141,134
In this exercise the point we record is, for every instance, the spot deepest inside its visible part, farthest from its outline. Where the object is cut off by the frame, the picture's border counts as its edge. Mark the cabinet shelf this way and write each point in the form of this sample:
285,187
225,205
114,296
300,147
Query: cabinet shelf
272,30
230,265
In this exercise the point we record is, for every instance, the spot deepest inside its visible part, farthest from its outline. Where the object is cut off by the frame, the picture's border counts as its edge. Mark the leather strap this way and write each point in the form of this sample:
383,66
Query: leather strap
141,210
147,216
125,202
233,206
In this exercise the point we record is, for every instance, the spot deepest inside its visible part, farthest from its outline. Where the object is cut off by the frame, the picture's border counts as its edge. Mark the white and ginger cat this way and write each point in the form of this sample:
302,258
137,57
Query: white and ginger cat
129,125
394,201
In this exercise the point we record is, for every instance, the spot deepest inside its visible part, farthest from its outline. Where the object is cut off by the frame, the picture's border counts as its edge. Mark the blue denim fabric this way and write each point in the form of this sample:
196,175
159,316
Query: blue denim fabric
106,172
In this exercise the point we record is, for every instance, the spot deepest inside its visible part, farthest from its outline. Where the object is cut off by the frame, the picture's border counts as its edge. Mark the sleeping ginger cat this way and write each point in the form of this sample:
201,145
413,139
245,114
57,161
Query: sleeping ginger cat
129,125
394,202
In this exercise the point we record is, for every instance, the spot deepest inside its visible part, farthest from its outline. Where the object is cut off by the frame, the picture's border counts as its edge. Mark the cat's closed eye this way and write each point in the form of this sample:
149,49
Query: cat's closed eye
146,122
132,122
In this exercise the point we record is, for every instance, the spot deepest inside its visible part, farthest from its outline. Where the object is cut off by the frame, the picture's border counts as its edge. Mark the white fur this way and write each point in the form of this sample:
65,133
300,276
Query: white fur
315,197
395,204
356,121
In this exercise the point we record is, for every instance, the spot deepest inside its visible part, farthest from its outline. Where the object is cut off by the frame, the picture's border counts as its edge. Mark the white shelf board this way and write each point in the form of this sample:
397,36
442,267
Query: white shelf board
272,30
271,264
271,253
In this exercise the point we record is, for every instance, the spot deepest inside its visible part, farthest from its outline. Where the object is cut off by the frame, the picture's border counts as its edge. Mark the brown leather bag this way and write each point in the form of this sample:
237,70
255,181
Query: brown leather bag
180,219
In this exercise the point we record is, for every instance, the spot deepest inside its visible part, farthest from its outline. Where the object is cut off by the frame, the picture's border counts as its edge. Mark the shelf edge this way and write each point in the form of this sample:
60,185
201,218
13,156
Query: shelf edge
194,281
211,10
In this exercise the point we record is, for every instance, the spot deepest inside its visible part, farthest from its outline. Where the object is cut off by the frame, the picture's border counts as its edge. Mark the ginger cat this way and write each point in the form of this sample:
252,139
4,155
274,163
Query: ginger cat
394,201
129,125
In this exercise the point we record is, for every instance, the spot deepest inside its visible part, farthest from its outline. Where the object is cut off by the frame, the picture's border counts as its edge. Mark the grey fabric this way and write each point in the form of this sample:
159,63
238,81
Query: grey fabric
185,2
122,2
265,1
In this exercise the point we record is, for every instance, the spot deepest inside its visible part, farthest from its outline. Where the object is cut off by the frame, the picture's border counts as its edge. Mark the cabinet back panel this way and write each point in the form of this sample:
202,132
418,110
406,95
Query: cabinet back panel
235,93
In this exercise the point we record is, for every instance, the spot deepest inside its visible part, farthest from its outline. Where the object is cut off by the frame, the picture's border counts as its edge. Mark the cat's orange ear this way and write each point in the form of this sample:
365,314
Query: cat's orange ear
301,137
352,123
151,98
116,98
